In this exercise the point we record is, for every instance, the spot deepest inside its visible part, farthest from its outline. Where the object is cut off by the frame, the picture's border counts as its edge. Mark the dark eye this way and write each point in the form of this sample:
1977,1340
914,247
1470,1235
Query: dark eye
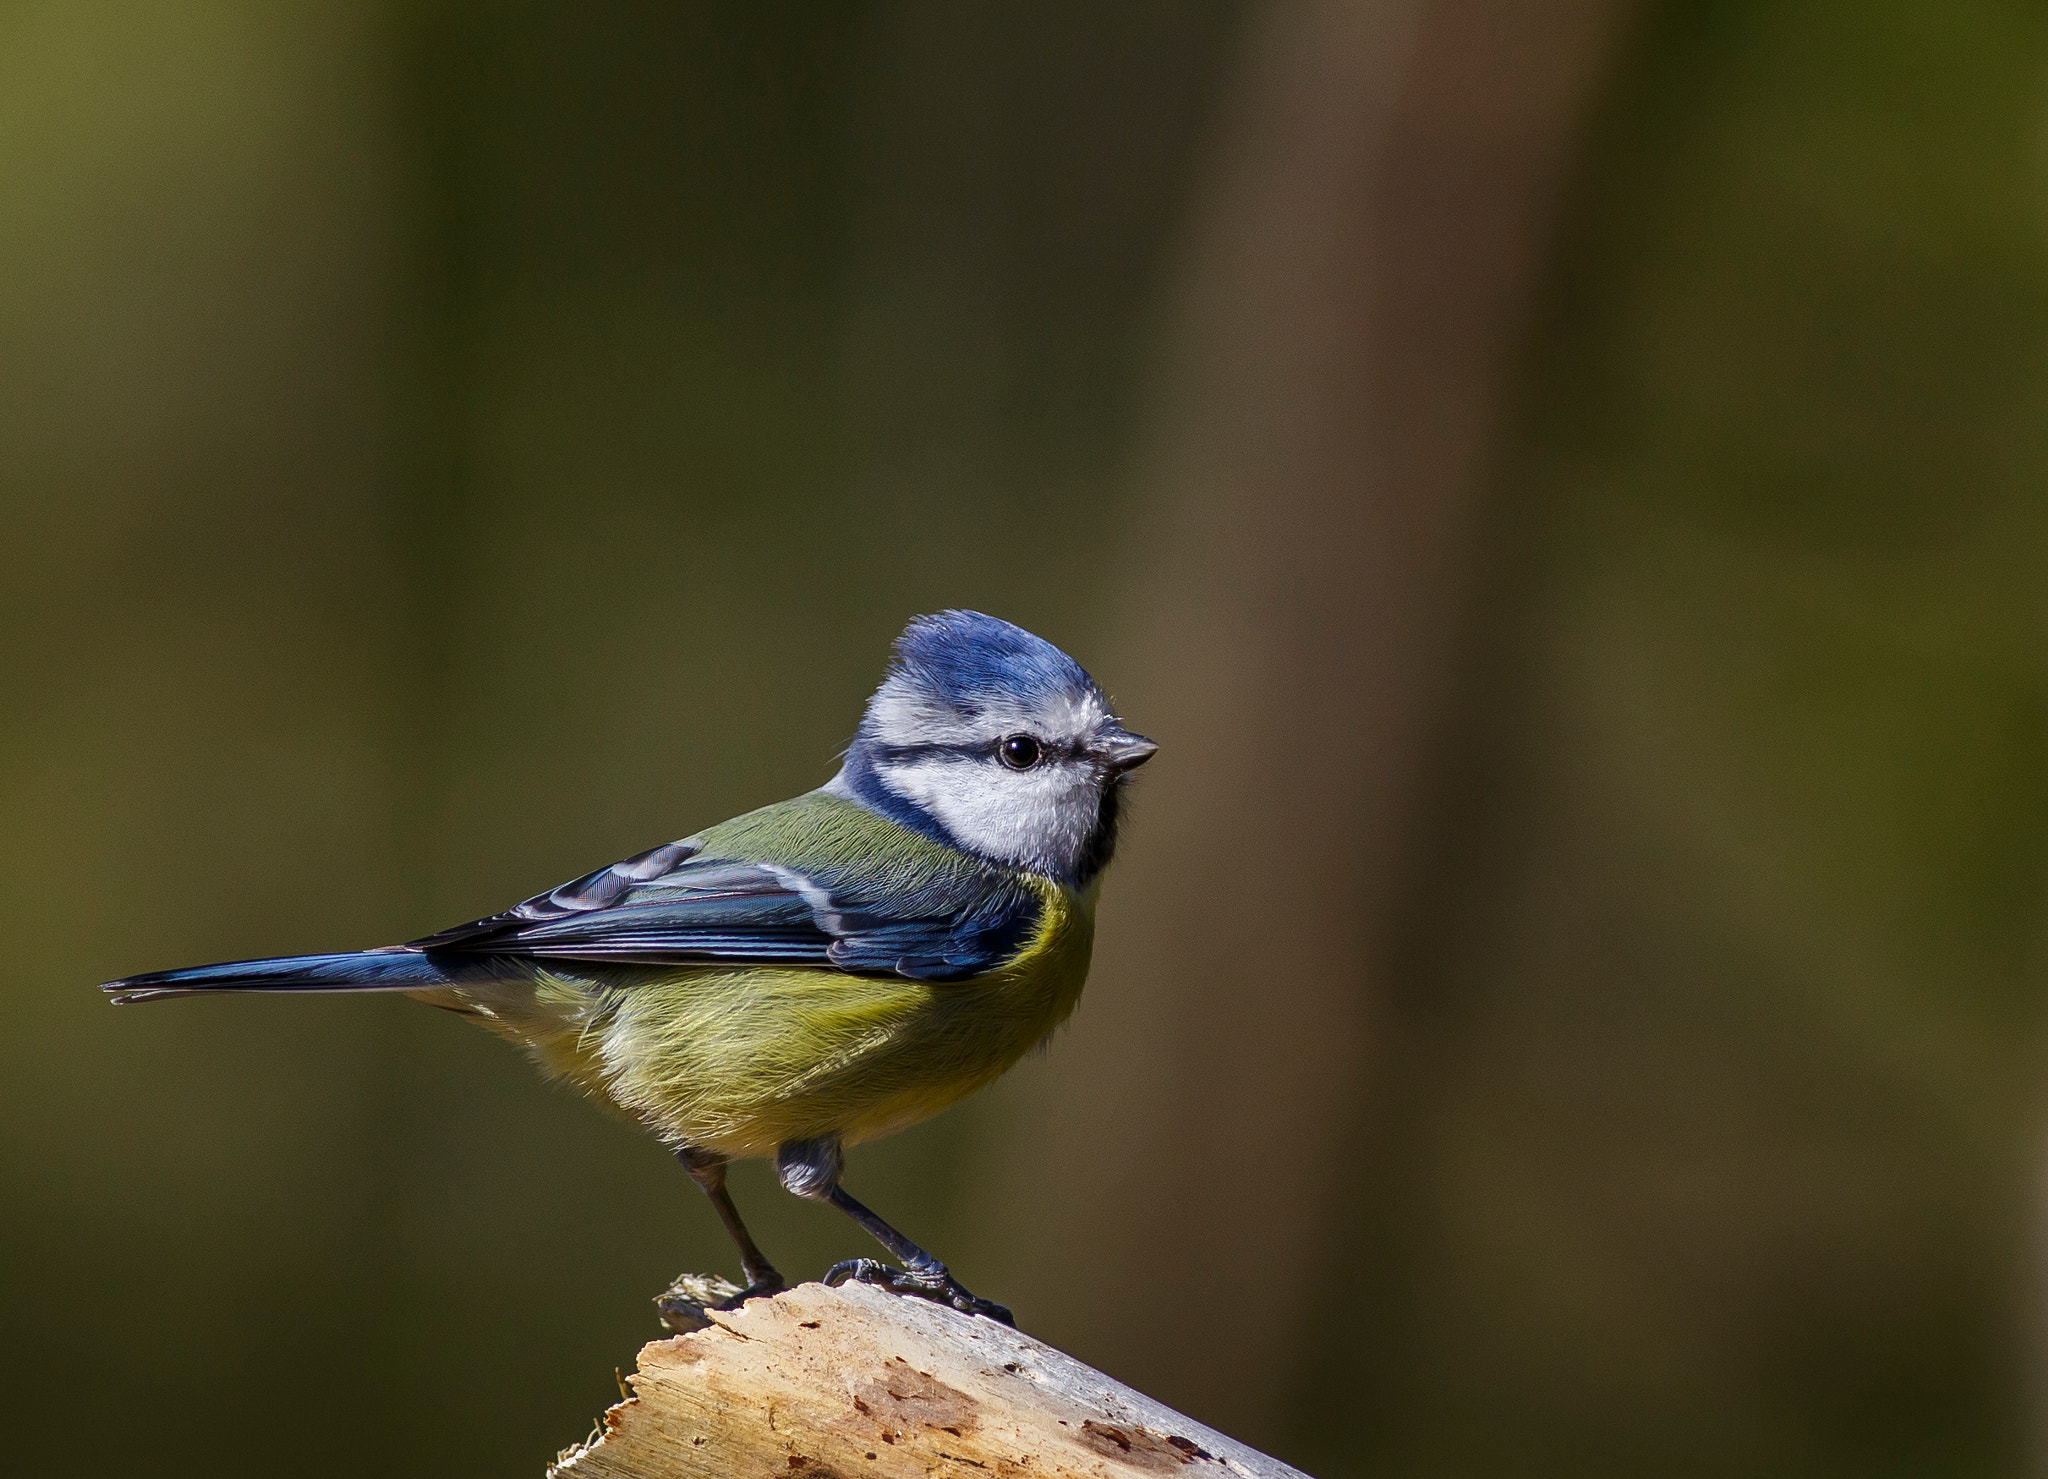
1020,752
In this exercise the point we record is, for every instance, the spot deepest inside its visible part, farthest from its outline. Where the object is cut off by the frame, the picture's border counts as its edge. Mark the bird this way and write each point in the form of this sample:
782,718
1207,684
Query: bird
820,972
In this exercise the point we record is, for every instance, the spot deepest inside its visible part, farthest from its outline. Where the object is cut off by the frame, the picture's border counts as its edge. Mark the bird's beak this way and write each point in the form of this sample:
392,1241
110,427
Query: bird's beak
1126,751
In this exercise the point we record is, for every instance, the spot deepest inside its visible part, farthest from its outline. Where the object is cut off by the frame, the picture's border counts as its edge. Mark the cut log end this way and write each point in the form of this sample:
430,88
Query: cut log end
857,1383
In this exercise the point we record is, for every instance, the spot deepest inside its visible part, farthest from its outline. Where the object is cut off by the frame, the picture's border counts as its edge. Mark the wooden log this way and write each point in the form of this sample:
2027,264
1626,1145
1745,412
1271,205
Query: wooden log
857,1383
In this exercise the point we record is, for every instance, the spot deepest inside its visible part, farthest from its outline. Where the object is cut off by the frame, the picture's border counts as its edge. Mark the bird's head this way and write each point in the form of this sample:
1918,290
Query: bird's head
997,742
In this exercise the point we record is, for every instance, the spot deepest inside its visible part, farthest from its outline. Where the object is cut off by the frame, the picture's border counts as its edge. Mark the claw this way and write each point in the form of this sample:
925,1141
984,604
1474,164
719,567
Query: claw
932,1283
764,1289
682,1305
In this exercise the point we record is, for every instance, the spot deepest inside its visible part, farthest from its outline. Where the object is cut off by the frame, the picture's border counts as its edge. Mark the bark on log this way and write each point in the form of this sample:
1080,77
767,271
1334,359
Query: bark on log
856,1383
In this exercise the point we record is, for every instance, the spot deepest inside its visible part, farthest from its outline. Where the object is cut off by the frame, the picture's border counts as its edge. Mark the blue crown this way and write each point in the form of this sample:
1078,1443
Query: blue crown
967,658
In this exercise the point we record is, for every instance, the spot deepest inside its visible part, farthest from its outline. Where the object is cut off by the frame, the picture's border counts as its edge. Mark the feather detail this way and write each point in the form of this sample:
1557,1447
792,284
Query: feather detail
363,970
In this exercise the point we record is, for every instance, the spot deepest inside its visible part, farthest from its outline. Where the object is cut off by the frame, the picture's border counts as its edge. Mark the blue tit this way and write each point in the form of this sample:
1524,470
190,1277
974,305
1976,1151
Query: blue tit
820,972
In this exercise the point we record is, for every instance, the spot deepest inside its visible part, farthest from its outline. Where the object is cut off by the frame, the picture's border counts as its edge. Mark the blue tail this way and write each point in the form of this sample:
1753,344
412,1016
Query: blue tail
363,970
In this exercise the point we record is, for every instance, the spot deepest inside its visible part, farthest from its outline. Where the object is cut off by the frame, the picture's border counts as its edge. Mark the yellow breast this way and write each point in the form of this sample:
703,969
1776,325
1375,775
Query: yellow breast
740,1060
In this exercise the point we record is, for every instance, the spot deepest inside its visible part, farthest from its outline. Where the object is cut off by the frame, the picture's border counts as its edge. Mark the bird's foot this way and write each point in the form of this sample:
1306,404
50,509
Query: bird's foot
932,1283
683,1304
759,1289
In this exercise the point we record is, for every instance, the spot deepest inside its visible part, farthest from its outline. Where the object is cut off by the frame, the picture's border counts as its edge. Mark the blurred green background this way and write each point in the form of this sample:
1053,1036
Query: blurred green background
1565,480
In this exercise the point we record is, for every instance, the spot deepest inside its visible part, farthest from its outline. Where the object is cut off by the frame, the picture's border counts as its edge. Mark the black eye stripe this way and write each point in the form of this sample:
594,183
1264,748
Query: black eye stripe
890,754
979,750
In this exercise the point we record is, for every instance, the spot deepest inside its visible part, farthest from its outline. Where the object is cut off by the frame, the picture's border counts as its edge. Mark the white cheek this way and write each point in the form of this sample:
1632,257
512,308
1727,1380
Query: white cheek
1035,817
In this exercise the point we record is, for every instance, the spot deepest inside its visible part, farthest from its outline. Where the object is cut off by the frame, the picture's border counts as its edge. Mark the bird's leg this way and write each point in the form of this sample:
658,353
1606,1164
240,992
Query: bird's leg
707,1169
810,1168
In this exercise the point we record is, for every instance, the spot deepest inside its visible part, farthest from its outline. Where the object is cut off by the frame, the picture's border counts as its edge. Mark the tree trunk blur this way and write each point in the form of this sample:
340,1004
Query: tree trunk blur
1359,272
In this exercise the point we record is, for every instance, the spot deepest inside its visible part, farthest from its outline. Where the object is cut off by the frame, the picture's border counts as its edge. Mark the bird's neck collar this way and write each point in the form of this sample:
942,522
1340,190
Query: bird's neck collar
859,782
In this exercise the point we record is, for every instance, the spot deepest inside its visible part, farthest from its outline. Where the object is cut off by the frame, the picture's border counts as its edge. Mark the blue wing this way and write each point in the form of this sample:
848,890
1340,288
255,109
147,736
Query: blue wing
669,906
925,914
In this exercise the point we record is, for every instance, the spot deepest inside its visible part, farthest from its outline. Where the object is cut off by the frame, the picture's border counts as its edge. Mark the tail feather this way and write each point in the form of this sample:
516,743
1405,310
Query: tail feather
362,970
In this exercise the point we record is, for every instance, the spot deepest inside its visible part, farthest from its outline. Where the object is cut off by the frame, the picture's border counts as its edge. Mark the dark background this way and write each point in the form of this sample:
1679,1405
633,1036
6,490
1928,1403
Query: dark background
1565,480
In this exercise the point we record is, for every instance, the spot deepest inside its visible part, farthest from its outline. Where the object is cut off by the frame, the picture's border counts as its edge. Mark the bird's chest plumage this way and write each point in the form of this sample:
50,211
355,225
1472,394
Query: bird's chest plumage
742,1060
